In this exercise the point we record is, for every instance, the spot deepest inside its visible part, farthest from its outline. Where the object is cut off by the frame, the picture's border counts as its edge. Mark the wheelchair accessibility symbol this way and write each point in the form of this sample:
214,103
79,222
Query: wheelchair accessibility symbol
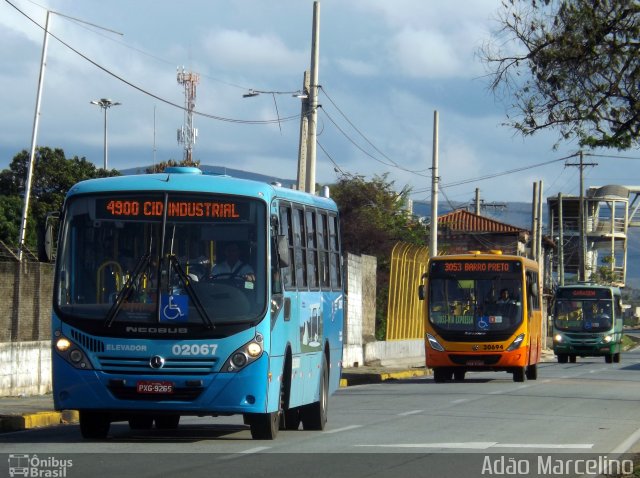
482,323
175,308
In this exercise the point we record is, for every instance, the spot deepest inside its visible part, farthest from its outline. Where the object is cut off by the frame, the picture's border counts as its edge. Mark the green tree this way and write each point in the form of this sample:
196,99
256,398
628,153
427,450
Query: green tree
53,176
373,218
572,66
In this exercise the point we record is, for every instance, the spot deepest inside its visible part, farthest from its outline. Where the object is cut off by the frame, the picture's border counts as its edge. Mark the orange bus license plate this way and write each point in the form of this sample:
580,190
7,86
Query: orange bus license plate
475,363
151,386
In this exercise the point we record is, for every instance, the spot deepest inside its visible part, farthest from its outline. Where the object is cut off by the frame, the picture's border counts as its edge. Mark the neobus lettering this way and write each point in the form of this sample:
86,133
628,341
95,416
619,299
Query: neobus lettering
158,330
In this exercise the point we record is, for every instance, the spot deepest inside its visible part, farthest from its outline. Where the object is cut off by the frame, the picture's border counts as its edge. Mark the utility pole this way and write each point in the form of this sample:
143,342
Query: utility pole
433,239
560,242
477,201
34,136
534,223
540,256
582,253
304,134
313,100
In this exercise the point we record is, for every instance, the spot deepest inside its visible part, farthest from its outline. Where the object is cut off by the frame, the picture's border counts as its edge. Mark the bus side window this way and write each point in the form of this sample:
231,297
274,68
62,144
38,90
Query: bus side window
286,229
335,264
299,248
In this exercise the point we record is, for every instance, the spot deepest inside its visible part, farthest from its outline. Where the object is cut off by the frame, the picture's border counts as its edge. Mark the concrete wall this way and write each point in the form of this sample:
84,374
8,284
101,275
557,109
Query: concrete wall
360,287
25,368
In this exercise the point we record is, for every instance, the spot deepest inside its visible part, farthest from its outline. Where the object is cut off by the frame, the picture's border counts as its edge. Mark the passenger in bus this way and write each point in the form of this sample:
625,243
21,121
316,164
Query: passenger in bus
233,266
505,298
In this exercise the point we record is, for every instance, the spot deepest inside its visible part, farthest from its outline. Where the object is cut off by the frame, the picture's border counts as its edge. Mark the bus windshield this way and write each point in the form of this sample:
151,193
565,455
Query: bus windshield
475,306
583,315
150,259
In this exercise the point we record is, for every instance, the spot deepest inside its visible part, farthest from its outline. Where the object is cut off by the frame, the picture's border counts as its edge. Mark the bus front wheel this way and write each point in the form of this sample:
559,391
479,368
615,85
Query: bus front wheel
608,358
441,374
519,374
94,424
167,422
563,358
616,358
532,371
264,426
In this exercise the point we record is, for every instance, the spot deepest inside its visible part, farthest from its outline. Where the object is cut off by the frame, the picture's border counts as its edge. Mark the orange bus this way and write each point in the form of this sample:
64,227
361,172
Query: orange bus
483,312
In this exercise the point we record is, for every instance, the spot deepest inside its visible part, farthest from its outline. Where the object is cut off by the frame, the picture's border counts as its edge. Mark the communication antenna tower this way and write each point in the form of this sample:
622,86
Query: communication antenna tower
187,134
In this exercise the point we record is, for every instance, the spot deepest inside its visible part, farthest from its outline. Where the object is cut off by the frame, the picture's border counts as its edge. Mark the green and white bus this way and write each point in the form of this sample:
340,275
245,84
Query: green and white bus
587,322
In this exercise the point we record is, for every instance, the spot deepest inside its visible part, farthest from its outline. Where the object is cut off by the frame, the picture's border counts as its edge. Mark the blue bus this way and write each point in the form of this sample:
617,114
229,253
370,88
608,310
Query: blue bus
146,328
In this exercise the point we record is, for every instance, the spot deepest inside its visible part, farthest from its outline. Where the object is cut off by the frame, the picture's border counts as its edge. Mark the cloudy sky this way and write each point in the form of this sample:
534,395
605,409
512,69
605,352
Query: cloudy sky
385,67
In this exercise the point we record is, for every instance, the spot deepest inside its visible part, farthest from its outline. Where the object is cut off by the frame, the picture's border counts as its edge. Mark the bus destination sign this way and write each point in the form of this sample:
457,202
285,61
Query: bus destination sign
586,293
136,208
475,267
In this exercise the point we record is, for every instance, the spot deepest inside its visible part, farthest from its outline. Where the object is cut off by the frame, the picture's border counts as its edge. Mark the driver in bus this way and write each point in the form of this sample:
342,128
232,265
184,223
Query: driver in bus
233,265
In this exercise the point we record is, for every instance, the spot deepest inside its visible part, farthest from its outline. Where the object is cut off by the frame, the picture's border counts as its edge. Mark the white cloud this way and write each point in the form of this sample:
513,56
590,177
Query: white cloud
240,49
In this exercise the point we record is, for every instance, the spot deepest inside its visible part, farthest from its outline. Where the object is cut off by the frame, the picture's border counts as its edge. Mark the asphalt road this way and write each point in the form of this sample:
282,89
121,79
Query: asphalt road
586,409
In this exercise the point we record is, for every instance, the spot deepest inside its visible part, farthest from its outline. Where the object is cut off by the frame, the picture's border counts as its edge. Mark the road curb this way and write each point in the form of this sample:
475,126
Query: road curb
10,423
349,379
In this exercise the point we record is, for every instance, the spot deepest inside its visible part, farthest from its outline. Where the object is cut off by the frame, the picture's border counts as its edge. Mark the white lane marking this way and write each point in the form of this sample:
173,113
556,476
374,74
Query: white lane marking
257,449
460,400
485,445
497,392
343,429
468,445
544,445
250,451
628,443
411,412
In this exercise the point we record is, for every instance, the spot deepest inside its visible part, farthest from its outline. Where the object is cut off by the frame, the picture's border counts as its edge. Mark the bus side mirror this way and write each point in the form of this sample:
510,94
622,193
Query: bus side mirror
421,287
283,251
46,239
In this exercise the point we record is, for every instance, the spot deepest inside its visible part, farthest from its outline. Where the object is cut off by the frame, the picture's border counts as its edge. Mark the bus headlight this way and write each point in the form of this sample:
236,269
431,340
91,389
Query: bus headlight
63,344
607,338
72,353
435,345
557,338
249,352
516,343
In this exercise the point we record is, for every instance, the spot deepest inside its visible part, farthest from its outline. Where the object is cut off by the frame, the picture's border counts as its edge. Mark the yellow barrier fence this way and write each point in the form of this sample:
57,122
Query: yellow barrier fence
404,310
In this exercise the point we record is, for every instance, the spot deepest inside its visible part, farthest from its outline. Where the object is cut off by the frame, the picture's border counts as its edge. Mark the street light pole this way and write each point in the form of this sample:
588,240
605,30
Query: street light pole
105,104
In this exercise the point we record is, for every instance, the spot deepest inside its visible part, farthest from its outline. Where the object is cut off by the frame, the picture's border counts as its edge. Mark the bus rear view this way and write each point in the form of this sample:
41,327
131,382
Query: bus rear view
587,323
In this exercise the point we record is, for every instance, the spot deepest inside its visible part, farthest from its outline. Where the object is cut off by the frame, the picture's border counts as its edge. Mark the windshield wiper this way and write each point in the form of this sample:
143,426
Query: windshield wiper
190,292
126,290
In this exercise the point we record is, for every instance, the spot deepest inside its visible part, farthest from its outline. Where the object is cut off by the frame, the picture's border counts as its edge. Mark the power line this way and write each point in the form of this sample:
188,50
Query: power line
393,163
148,93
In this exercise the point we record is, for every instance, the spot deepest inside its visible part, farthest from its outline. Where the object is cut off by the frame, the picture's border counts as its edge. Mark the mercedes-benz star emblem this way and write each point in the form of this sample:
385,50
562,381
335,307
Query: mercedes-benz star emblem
156,361
475,348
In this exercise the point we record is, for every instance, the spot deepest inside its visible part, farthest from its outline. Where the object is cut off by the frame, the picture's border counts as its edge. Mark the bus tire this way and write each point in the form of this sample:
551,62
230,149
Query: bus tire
314,415
140,422
94,425
441,374
167,422
264,426
573,358
608,358
616,357
563,358
519,374
532,371
458,375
